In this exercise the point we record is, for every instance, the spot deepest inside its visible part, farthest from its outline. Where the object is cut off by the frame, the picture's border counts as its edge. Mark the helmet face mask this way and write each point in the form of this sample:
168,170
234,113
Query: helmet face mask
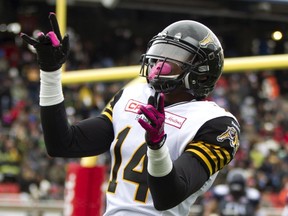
195,49
162,83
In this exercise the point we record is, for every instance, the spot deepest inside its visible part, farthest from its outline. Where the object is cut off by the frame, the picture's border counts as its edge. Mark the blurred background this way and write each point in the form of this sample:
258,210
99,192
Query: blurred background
109,33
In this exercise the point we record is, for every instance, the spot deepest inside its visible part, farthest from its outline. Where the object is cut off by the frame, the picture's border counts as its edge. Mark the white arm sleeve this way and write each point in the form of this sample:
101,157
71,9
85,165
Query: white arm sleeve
159,162
50,88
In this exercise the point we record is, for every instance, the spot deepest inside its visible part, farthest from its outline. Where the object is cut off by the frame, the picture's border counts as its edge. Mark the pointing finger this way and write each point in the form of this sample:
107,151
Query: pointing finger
55,26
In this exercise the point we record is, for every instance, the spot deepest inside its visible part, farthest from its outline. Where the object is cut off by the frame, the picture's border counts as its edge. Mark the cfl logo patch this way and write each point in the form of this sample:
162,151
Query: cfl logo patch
170,118
133,106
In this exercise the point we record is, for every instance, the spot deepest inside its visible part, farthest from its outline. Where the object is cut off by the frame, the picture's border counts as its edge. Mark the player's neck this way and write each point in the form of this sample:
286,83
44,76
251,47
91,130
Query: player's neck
176,97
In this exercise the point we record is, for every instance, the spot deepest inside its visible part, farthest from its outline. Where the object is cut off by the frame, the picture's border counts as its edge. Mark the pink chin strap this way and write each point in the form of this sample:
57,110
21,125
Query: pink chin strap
161,68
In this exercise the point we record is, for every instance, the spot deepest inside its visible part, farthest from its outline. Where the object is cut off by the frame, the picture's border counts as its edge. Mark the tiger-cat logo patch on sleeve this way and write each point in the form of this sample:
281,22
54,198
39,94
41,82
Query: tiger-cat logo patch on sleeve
231,135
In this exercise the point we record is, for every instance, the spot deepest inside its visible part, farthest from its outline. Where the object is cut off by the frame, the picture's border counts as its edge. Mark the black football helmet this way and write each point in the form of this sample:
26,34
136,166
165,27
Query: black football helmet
236,182
192,46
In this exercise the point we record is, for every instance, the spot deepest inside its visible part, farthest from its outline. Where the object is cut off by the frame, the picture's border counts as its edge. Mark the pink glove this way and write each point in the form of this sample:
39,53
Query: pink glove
154,125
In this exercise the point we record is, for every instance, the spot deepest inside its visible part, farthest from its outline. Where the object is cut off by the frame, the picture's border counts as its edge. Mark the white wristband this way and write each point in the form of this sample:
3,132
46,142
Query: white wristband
50,88
159,162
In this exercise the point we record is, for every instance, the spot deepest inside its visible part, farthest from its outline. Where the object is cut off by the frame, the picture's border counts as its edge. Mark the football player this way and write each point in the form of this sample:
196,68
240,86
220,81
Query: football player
234,197
167,141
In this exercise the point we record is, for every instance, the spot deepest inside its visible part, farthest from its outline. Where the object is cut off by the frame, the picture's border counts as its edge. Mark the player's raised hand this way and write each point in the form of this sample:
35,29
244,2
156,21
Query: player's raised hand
52,50
154,125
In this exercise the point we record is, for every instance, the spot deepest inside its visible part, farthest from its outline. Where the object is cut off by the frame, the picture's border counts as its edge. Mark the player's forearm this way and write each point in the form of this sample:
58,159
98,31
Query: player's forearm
56,130
186,177
50,88
167,191
53,115
64,140
61,138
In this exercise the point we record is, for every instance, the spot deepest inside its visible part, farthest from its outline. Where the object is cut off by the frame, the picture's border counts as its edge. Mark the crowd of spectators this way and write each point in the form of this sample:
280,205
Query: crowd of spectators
258,99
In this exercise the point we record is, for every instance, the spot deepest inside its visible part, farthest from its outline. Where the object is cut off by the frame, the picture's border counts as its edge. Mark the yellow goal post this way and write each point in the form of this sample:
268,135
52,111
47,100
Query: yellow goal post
239,64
